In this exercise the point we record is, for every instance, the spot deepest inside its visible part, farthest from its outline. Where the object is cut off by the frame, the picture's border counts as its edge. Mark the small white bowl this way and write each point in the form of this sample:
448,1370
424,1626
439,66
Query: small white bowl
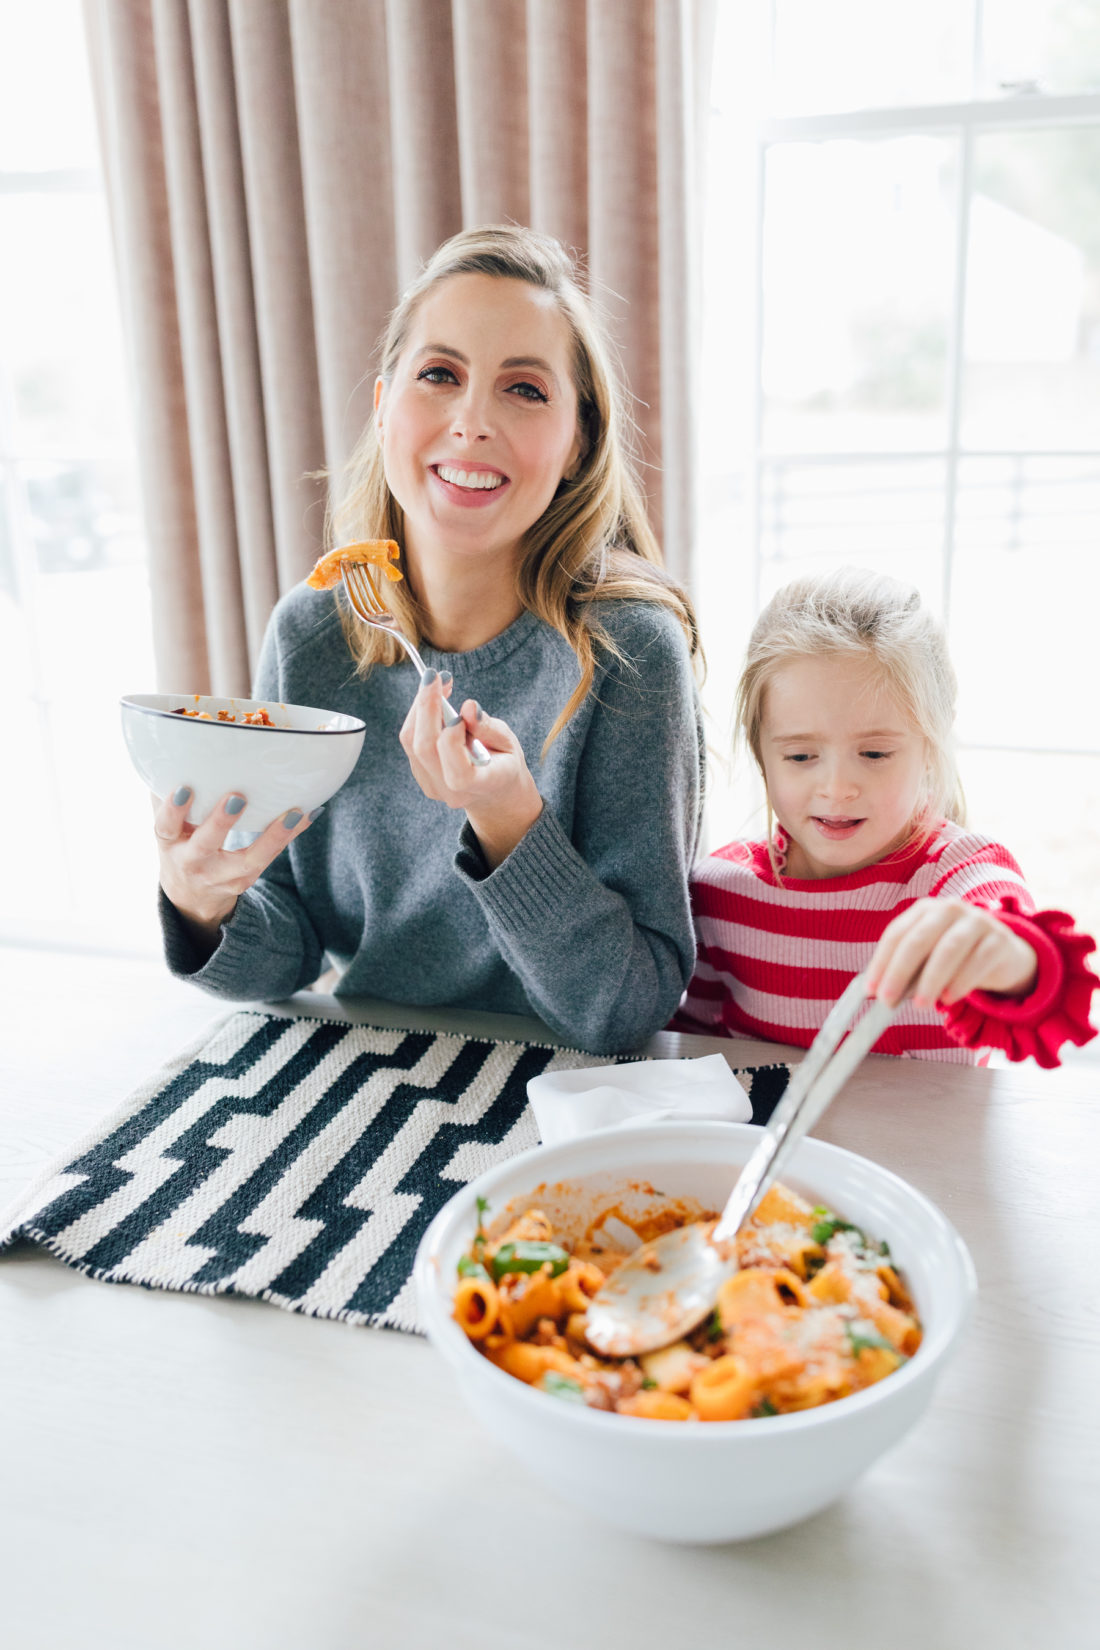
700,1481
298,763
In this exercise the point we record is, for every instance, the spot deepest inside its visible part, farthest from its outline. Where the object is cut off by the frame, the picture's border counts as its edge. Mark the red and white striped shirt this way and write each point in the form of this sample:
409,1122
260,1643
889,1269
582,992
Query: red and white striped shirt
773,956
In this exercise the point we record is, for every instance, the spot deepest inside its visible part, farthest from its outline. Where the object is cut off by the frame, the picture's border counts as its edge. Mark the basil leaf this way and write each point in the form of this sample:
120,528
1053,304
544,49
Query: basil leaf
561,1386
468,1268
529,1256
863,1334
825,1229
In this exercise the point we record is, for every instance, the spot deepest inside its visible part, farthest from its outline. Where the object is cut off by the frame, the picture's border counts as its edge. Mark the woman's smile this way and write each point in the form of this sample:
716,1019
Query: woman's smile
471,486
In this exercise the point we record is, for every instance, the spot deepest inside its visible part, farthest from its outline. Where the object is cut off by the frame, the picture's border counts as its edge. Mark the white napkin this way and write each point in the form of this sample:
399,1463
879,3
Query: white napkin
570,1103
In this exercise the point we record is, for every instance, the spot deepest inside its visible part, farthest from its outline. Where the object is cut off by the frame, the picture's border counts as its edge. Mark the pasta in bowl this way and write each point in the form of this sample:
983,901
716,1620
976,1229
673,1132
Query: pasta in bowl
770,1450
815,1312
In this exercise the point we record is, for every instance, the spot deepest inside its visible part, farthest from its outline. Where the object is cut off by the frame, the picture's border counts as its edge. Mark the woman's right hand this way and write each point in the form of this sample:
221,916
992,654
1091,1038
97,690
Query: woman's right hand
501,800
203,879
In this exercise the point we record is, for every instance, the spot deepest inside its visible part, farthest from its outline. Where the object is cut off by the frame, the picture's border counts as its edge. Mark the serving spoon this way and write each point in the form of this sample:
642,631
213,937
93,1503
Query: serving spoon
669,1286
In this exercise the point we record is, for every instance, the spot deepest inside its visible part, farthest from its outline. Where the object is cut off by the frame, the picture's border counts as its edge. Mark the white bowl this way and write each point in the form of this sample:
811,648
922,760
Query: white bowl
298,763
700,1481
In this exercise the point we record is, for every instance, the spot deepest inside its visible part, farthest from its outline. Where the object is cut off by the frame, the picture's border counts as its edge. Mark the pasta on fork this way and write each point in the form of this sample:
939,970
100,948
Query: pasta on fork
380,553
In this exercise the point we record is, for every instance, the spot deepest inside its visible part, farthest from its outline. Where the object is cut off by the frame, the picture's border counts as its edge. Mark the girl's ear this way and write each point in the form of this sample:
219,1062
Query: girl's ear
379,392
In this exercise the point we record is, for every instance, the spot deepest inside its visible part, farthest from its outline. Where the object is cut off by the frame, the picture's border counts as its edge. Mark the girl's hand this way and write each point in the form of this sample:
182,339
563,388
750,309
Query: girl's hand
501,800
201,878
946,949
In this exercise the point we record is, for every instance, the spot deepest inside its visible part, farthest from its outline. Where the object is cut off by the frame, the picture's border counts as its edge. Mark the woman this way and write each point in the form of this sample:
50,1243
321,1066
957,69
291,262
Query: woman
496,459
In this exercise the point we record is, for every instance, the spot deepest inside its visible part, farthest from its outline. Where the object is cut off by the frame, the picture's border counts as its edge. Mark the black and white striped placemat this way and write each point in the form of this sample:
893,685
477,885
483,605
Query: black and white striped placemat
295,1160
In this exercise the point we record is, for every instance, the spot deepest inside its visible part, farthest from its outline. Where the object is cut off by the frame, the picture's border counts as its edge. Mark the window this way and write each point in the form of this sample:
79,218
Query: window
902,370
75,844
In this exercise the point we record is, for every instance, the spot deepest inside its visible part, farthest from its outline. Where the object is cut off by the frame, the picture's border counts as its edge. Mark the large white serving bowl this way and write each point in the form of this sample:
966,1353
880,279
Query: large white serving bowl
298,763
700,1481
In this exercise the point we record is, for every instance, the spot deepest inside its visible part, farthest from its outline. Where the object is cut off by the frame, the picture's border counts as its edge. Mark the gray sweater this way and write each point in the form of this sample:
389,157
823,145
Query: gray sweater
586,924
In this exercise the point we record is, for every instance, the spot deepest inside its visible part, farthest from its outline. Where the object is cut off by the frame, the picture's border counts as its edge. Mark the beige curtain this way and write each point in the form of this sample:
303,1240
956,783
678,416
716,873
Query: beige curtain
277,171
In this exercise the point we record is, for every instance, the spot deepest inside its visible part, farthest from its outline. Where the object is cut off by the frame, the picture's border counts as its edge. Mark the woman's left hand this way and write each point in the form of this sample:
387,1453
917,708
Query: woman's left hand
945,949
501,799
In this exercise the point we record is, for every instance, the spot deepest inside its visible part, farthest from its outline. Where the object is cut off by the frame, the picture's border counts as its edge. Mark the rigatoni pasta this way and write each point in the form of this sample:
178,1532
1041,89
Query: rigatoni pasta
816,1311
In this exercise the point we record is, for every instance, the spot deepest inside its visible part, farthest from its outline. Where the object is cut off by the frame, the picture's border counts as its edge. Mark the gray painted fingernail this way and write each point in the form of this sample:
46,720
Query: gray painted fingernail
234,805
181,796
292,818
317,812
445,677
428,676
480,712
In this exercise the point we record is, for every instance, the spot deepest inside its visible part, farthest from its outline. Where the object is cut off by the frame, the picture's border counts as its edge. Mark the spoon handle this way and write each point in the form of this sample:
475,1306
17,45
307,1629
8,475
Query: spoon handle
819,1078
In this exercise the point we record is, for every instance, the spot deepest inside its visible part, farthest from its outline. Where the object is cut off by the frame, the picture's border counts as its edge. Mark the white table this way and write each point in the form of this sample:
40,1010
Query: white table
182,1472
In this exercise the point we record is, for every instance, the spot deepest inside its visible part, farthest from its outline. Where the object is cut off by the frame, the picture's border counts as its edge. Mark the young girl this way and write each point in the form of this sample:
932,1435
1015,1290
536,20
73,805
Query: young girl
557,885
846,702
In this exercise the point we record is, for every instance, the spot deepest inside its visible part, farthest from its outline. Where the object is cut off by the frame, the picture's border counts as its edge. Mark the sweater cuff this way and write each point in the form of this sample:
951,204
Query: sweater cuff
237,938
1054,1012
180,951
542,873
470,861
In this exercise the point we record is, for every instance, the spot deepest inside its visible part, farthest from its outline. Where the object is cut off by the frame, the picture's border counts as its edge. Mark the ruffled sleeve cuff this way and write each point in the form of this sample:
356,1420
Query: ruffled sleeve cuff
1056,1009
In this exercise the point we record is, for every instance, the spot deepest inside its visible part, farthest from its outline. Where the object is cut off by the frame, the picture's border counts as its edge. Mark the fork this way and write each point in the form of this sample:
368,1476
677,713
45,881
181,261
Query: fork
366,604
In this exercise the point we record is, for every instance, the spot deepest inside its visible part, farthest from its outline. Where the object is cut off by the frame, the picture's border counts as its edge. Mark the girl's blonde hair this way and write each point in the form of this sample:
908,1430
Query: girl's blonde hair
855,613
593,541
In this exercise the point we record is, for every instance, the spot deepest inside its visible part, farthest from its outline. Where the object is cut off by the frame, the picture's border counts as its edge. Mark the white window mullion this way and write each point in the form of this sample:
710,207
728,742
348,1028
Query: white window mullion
977,51
994,114
757,460
955,360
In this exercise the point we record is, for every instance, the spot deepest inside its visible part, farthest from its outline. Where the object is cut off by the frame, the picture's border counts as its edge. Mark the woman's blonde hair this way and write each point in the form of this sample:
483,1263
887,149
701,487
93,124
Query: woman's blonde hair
593,541
855,613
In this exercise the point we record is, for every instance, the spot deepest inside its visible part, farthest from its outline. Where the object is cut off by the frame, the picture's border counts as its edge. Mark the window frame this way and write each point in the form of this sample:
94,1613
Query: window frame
966,121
